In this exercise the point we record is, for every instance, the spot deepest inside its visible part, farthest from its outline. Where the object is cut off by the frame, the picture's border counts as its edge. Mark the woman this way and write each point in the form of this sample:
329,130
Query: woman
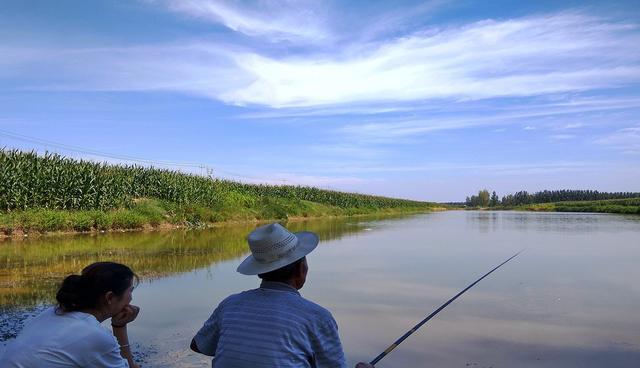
70,334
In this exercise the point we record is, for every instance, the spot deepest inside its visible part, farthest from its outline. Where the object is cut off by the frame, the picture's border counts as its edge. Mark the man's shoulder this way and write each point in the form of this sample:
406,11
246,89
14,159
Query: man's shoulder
293,301
237,297
319,312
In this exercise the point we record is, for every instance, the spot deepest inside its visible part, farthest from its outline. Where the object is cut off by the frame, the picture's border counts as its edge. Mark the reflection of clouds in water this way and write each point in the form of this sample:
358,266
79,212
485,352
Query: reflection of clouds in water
550,355
488,352
491,221
453,334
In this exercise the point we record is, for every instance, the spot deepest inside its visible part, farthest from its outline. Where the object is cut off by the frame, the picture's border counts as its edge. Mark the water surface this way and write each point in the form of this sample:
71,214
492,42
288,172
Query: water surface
570,300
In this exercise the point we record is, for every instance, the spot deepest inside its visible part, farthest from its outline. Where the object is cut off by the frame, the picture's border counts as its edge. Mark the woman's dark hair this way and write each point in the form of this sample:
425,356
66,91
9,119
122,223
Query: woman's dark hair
83,291
282,274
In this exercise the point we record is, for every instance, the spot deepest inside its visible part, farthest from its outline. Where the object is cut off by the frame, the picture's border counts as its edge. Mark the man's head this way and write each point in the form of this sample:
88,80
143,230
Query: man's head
278,253
294,274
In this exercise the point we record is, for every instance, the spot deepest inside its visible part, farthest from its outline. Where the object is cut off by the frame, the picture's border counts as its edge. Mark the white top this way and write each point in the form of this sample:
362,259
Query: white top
73,339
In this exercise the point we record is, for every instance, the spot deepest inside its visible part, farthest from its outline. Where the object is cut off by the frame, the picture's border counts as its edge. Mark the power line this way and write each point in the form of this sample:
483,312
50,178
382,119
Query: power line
46,142
210,170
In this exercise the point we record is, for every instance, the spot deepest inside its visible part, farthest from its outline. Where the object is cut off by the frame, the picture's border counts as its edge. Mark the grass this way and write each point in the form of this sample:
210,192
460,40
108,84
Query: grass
152,213
623,206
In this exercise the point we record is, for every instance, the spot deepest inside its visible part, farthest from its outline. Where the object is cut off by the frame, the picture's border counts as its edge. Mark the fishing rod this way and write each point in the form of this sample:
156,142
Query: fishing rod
443,306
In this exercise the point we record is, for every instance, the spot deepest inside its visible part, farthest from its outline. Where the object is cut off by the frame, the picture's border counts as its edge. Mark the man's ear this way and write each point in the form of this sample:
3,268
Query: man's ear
109,297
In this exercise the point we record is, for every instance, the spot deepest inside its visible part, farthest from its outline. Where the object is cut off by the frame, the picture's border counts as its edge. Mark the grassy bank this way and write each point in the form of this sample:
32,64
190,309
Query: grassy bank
53,193
149,214
626,206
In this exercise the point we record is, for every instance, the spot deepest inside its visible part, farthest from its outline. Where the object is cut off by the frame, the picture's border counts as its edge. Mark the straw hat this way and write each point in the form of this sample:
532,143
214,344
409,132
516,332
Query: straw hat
273,246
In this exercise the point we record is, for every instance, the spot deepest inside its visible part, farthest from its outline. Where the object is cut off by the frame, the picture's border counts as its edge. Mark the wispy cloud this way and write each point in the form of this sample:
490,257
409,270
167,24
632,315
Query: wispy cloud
393,128
626,140
469,168
301,21
521,57
566,52
561,137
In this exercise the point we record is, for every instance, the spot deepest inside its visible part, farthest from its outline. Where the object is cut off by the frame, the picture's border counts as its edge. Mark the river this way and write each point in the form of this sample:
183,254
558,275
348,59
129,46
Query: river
570,300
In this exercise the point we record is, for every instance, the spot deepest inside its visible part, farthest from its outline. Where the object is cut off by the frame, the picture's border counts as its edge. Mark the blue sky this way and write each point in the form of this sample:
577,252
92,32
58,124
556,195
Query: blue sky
426,100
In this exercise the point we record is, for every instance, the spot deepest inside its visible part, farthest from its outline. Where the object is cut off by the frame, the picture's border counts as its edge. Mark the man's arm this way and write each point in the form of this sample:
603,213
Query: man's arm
206,339
194,346
326,345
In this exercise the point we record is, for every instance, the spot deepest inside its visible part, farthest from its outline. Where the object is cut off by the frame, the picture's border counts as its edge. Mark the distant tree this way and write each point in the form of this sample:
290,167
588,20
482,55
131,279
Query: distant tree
547,196
494,199
484,198
473,201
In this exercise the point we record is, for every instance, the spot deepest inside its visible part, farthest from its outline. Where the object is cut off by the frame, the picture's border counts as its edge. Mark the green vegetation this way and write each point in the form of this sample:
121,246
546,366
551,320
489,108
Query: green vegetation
482,199
31,270
53,193
626,206
546,196
559,201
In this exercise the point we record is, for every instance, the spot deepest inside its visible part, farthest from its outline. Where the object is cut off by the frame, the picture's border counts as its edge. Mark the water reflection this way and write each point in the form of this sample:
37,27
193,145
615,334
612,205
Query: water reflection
492,221
570,300
31,270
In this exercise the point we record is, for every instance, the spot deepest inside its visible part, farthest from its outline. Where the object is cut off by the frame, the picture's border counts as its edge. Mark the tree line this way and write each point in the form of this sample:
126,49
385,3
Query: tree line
484,199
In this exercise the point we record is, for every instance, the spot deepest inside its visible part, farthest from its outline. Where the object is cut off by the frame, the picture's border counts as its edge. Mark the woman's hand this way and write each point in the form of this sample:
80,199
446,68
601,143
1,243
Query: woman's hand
126,315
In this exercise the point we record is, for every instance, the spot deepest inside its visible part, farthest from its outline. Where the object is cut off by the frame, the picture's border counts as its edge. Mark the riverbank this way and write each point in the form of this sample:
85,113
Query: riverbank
620,206
152,215
41,194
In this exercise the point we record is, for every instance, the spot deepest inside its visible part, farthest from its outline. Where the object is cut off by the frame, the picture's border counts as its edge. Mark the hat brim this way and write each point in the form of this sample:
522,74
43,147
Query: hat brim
307,241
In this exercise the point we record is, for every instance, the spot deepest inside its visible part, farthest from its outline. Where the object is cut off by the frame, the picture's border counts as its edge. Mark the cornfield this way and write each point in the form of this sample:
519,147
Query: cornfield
28,180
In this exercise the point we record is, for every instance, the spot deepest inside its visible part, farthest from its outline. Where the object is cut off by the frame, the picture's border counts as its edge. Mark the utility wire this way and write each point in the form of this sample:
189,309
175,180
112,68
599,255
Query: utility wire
78,149
95,152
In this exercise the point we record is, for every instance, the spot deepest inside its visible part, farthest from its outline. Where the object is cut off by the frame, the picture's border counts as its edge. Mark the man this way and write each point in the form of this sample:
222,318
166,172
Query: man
273,326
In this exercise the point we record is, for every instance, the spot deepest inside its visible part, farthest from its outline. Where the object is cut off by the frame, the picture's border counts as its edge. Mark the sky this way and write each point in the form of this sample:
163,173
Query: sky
429,100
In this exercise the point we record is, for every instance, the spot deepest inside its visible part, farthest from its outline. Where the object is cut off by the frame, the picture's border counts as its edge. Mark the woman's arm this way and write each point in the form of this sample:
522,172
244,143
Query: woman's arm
123,340
119,326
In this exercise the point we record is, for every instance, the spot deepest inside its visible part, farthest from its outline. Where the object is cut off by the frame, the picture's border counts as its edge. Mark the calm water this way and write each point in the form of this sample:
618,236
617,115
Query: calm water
570,300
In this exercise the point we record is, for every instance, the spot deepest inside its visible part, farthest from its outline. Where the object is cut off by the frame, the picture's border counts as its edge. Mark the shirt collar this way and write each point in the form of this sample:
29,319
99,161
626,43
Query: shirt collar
280,286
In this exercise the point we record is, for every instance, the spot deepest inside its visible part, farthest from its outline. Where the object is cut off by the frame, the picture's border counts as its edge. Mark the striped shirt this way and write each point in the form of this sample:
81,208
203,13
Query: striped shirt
272,326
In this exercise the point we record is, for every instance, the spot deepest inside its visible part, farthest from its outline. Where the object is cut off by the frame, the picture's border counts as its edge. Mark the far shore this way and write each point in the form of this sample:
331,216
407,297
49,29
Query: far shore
627,206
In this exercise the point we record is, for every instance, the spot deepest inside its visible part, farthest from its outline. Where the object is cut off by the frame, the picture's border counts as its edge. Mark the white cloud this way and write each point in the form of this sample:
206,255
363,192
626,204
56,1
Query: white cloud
473,168
393,128
573,126
626,140
521,57
274,20
193,68
561,137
